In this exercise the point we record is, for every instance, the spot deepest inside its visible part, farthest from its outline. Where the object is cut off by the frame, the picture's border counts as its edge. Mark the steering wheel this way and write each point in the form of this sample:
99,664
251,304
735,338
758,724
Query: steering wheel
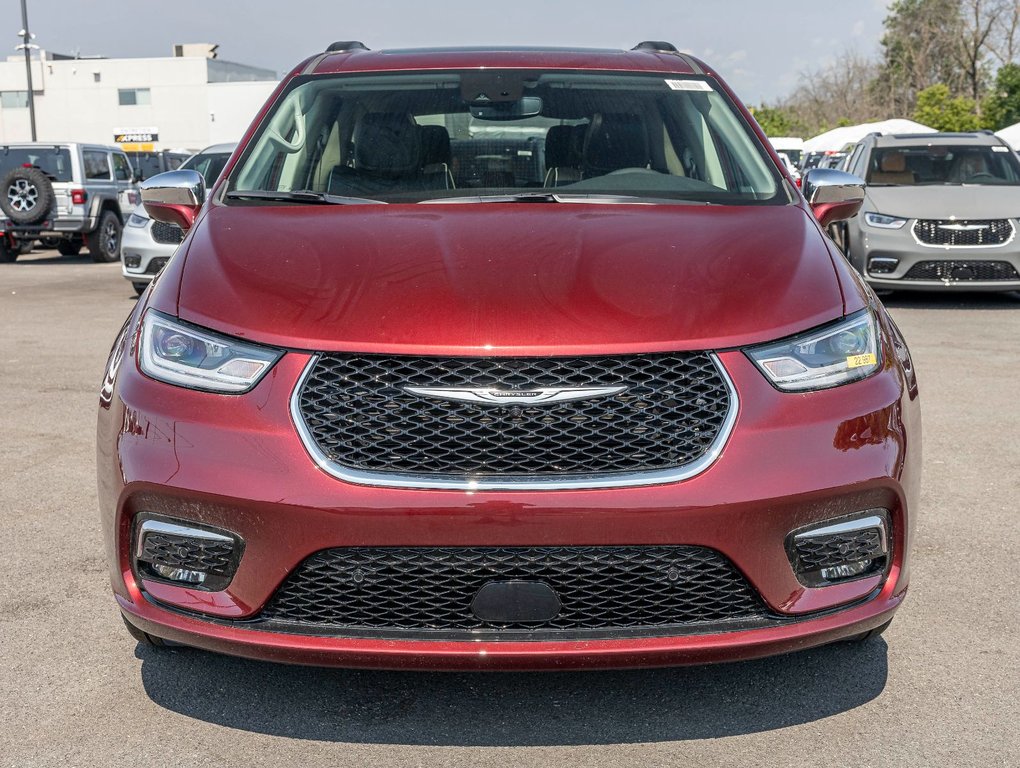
983,176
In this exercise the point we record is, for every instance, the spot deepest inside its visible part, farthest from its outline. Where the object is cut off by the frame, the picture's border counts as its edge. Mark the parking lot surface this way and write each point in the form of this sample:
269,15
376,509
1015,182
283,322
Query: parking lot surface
940,688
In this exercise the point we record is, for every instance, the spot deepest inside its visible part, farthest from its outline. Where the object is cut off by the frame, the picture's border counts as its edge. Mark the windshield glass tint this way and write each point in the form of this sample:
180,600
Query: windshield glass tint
944,165
55,163
408,138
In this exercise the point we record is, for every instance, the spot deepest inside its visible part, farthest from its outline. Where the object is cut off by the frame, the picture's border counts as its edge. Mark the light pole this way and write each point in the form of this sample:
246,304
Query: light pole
26,45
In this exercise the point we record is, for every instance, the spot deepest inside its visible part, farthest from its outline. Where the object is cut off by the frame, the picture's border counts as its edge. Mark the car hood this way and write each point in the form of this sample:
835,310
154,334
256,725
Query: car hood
969,201
520,278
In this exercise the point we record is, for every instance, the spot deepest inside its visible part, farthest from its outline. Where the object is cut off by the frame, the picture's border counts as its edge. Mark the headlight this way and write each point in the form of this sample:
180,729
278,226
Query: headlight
180,354
881,221
825,357
136,220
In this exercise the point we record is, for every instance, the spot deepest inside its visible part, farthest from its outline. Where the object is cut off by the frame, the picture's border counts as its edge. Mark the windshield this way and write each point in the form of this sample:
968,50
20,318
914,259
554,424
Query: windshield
209,164
943,164
478,133
55,162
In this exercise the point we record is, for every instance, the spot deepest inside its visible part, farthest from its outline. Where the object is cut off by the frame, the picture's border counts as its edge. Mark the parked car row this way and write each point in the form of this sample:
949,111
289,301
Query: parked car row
71,195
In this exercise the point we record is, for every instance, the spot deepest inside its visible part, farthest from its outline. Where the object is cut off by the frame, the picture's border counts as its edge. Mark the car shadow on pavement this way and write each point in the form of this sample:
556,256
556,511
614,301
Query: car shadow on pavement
515,709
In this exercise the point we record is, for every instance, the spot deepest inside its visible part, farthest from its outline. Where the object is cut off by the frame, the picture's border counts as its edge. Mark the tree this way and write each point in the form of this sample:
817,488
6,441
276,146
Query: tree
775,121
920,48
940,110
1002,107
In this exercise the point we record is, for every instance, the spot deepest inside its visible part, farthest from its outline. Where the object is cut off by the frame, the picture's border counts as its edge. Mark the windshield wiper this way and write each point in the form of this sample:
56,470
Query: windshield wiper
300,196
552,197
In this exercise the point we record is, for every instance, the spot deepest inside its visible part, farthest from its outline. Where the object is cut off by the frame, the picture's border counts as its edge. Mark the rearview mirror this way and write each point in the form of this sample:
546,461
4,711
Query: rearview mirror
526,106
833,195
174,197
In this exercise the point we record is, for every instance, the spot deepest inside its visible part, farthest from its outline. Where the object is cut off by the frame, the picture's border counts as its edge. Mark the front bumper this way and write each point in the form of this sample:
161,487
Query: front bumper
900,246
236,463
142,258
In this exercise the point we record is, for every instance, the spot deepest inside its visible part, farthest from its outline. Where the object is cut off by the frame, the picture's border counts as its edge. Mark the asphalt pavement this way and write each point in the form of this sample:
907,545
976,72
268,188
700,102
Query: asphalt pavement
940,688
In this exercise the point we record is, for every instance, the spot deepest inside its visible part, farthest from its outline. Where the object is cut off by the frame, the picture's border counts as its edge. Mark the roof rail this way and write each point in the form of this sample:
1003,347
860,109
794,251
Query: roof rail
346,45
658,46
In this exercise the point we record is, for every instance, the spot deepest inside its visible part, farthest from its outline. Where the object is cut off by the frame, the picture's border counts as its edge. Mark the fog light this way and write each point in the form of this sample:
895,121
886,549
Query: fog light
132,260
842,550
185,554
880,265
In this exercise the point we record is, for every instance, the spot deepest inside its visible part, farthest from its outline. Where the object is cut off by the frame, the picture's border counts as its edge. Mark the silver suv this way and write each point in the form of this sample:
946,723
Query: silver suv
68,194
940,213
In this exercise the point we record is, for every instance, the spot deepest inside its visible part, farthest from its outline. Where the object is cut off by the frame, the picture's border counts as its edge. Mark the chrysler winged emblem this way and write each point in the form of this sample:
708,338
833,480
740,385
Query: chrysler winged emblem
493,396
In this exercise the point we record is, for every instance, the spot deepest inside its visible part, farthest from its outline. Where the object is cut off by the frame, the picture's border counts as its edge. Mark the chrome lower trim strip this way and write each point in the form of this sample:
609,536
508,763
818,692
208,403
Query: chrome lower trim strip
530,483
158,526
849,526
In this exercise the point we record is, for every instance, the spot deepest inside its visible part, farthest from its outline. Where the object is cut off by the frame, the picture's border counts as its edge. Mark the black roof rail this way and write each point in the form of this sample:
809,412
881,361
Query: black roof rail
346,45
659,46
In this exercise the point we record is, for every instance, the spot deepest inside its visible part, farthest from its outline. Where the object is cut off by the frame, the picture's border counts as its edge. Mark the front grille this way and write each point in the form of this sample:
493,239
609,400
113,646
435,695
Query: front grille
429,590
817,552
358,413
167,233
953,233
193,554
962,271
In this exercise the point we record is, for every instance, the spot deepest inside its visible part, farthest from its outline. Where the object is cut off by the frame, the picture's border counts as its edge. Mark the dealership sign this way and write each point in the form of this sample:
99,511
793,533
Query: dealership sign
136,139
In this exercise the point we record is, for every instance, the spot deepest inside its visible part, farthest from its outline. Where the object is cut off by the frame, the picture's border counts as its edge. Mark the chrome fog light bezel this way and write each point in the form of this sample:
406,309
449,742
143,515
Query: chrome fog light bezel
206,581
865,520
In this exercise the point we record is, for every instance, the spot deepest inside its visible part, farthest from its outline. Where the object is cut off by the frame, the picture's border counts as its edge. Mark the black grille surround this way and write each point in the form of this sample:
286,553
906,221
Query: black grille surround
362,425
962,271
987,233
427,592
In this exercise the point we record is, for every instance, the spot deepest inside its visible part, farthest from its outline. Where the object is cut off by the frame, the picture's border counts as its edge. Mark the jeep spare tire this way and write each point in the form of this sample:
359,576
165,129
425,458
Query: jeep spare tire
26,195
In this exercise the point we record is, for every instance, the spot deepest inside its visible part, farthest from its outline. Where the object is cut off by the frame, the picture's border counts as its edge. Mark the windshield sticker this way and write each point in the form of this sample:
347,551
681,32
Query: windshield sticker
1000,149
689,85
857,361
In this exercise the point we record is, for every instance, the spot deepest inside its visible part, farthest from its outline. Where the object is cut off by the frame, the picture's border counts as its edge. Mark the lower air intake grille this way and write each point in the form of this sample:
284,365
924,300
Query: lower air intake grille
962,271
429,590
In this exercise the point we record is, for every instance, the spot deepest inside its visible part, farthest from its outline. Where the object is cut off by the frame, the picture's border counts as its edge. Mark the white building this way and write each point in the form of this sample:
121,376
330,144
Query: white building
188,100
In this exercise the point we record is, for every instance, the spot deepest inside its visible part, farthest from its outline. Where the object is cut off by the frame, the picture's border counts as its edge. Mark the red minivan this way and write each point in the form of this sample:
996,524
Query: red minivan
507,358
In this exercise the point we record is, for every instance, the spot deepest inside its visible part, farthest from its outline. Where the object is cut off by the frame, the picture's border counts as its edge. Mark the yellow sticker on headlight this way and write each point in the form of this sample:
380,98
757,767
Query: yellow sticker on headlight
858,361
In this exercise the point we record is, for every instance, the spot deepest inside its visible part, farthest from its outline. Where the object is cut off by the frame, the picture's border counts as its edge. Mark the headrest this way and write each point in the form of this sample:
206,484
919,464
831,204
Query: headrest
893,162
560,148
387,143
615,140
435,145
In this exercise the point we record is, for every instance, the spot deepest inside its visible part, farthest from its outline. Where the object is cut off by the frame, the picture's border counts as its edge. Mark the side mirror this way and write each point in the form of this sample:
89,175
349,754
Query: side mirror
833,195
174,197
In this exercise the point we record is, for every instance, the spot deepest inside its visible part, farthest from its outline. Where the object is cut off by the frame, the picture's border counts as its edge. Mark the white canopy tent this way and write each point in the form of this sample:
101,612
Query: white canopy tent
1011,135
837,138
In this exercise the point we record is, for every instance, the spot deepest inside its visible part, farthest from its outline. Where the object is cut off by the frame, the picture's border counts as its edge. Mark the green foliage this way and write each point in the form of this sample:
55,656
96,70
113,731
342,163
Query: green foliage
1002,107
937,108
775,121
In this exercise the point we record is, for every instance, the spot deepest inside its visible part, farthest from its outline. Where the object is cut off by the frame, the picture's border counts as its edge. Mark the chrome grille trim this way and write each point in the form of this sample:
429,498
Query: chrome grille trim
926,228
530,483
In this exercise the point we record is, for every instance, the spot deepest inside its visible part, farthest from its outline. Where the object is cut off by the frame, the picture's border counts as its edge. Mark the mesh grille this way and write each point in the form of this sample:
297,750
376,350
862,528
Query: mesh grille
819,552
962,270
155,265
191,554
430,589
167,233
950,232
359,415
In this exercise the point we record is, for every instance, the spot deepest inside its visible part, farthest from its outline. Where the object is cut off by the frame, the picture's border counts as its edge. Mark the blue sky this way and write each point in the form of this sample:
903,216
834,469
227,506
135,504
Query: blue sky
759,47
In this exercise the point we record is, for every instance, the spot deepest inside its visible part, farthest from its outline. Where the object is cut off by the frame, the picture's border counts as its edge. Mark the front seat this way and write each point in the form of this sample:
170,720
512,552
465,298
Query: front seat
562,158
614,140
387,157
892,169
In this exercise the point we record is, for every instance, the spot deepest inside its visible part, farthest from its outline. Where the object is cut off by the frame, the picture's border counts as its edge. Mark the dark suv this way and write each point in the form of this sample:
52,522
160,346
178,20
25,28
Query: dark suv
506,358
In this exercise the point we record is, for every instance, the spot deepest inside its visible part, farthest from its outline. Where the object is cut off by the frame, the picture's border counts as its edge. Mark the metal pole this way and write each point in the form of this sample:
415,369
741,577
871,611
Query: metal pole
27,39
